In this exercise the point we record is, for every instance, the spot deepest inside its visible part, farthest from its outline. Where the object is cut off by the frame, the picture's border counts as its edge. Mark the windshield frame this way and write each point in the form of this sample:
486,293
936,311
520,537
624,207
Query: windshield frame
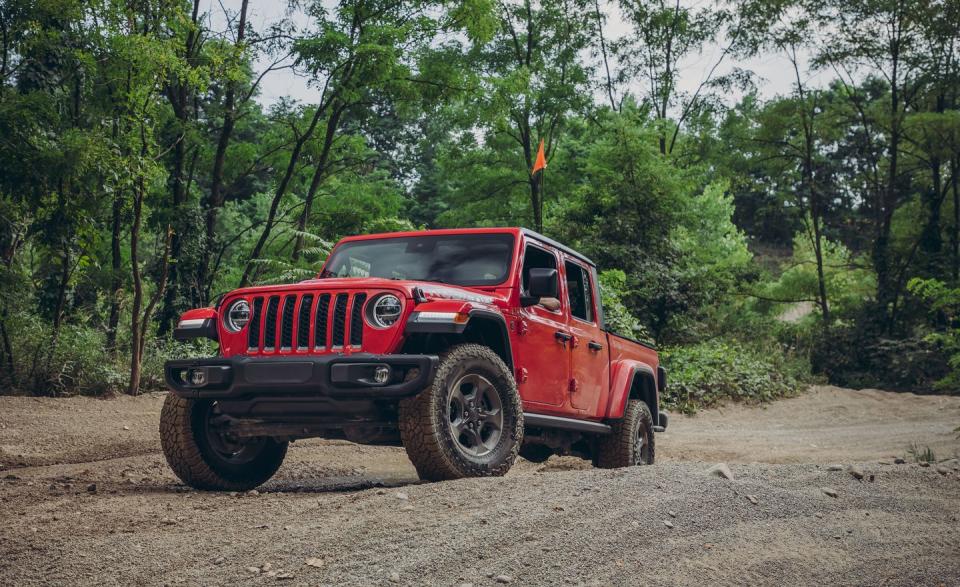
509,269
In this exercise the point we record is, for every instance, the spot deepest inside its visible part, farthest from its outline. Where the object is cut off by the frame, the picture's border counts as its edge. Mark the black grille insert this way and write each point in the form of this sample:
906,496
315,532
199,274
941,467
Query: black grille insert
356,320
339,320
286,327
270,327
323,312
303,322
253,335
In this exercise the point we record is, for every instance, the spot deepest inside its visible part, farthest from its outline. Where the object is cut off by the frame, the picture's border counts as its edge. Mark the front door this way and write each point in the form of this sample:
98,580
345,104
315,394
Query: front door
589,357
541,354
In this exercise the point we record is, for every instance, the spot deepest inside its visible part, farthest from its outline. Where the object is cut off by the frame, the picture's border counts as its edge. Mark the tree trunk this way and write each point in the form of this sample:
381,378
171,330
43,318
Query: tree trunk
955,234
603,53
931,242
332,123
169,312
7,349
278,195
807,117
886,296
42,381
140,321
116,283
821,280
307,208
133,386
217,196
536,200
180,100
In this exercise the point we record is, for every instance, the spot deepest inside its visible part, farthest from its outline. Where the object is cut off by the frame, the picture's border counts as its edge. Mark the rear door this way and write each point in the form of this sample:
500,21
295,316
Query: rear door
588,352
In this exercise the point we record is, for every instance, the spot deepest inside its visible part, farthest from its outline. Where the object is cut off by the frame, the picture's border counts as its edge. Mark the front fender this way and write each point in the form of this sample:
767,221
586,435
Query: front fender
478,321
198,323
439,316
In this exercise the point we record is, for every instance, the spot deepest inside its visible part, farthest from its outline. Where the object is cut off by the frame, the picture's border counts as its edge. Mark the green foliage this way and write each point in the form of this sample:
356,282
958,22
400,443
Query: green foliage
707,373
849,283
76,365
707,219
616,315
944,303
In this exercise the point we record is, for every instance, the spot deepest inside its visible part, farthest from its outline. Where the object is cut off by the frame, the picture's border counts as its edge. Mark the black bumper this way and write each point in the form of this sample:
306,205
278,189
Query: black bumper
330,376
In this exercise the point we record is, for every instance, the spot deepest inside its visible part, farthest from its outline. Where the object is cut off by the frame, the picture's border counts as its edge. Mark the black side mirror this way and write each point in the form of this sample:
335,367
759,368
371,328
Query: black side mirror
542,283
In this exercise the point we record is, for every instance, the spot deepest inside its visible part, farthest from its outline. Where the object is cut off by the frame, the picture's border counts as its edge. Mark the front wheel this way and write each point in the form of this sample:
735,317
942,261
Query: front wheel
631,442
469,422
205,457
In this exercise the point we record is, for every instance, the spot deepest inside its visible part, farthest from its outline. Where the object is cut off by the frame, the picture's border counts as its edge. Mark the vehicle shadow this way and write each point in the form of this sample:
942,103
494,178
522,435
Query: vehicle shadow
337,484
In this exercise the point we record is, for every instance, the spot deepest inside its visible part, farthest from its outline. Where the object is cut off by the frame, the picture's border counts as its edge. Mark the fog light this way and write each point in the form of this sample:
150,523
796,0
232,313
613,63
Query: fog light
198,377
381,374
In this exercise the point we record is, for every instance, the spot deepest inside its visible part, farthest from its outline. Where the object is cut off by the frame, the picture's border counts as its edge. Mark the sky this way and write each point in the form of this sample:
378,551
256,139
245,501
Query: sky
774,73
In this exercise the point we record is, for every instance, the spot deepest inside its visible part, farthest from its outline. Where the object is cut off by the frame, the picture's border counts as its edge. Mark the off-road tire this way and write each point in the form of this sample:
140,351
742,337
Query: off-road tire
619,449
197,464
424,418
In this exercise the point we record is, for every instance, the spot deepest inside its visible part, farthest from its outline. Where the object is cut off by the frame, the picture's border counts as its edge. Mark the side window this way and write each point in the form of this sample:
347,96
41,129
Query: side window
579,292
533,258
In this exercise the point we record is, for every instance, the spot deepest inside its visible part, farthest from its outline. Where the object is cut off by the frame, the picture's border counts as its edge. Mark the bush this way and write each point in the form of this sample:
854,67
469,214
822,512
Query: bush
858,356
78,362
710,372
944,307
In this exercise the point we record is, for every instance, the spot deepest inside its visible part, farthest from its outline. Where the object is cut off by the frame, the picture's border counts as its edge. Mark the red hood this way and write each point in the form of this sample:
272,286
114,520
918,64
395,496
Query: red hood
290,324
431,289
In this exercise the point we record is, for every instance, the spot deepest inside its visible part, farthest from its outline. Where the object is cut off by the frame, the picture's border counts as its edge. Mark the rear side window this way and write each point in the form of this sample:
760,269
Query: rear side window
579,292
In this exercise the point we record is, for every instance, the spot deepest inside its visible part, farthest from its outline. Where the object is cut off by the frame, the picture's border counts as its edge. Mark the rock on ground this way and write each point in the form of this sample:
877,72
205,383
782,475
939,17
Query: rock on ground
720,470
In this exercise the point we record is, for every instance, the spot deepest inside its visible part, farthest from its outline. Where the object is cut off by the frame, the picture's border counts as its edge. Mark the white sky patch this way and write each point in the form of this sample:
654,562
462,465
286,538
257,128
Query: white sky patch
774,73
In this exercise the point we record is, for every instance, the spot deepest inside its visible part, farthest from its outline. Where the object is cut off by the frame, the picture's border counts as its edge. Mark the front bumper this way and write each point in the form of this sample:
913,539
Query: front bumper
331,376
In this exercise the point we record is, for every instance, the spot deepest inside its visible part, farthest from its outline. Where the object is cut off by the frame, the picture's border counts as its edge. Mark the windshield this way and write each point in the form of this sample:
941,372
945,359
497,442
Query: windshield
460,259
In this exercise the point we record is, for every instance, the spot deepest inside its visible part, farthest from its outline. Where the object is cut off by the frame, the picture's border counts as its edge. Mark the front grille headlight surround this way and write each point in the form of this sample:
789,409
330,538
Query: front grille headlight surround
237,315
383,310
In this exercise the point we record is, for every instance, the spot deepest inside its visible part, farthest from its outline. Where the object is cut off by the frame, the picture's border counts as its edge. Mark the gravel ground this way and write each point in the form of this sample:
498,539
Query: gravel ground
87,499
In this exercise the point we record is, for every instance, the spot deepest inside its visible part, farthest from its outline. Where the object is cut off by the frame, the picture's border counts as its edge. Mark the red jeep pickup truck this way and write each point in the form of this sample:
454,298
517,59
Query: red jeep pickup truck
469,347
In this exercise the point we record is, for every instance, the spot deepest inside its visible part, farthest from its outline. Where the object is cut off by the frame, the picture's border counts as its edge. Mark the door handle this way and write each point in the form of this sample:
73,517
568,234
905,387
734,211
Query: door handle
595,346
562,336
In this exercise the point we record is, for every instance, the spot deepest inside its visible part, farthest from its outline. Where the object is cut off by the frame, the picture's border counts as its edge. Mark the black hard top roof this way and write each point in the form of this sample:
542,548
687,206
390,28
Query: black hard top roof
549,241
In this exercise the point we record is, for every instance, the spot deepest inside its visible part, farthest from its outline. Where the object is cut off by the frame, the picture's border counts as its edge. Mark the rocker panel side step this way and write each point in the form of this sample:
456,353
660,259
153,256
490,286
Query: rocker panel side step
544,421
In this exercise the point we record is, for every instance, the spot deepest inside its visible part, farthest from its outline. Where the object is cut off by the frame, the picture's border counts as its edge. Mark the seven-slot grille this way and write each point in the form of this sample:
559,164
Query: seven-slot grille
320,322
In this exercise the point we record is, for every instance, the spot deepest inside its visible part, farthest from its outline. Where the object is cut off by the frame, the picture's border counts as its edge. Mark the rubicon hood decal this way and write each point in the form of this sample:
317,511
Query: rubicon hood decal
449,293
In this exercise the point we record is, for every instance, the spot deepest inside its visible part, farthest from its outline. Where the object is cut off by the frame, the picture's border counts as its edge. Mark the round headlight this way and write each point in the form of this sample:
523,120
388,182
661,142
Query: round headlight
384,311
237,316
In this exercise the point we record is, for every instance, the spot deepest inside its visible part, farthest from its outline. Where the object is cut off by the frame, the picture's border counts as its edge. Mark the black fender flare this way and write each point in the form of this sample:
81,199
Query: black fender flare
643,386
477,316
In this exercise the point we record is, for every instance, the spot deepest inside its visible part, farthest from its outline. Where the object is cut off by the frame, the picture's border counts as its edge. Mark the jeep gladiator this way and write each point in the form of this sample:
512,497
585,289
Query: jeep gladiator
467,347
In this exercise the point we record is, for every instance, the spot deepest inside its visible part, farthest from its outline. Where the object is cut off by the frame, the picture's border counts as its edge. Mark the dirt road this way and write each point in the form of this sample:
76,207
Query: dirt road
86,498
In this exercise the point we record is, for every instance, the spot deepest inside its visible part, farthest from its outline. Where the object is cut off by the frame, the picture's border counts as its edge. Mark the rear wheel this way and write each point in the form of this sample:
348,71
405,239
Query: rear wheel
469,422
205,457
632,441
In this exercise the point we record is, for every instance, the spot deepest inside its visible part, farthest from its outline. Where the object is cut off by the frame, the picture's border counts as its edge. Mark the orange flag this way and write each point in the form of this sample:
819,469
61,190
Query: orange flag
541,162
